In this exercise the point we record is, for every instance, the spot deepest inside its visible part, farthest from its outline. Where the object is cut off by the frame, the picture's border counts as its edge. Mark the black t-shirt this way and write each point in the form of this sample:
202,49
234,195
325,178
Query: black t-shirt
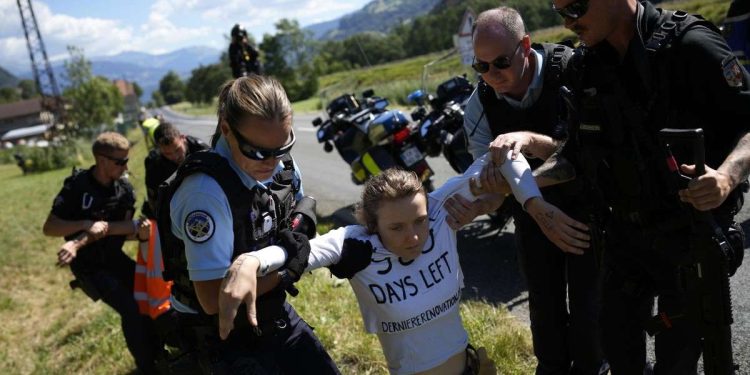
83,198
700,89
159,168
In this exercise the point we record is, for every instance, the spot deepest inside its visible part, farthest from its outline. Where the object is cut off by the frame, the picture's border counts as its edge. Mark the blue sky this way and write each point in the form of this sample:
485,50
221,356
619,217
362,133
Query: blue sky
109,27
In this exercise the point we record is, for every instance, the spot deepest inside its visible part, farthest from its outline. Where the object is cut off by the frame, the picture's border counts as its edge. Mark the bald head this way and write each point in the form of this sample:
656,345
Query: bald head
502,21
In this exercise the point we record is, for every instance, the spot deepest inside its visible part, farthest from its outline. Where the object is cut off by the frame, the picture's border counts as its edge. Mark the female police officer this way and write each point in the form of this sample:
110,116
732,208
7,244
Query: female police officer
236,199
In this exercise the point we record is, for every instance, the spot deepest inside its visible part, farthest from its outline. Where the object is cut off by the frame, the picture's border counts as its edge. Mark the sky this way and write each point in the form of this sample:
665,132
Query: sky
108,27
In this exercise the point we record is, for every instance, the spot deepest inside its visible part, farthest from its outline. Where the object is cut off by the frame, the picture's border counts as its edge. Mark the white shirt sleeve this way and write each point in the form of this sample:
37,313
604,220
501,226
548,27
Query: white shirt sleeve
325,250
516,172
202,219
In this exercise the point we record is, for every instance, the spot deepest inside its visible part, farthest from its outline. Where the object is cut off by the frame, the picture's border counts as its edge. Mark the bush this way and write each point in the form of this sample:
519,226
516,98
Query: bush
40,159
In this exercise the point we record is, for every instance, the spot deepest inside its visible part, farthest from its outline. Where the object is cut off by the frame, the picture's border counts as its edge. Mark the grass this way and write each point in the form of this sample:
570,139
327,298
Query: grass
50,329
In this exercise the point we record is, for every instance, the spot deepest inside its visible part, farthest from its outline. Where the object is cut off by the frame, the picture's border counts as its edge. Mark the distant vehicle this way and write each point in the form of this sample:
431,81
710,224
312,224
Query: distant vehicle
371,138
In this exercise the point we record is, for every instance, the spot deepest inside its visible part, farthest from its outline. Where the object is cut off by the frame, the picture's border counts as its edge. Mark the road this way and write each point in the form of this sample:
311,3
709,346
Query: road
327,178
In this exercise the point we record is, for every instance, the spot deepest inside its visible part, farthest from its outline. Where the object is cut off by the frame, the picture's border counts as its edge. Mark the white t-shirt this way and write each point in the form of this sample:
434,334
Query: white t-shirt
413,306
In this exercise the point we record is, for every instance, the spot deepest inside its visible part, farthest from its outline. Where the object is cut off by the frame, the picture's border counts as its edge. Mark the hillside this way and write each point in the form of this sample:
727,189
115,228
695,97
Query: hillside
7,79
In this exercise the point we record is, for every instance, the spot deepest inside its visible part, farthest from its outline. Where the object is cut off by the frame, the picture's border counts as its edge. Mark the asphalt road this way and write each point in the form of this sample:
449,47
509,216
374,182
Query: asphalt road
327,178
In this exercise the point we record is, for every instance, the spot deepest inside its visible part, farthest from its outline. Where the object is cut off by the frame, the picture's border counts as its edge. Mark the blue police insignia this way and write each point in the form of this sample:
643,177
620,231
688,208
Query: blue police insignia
732,71
199,226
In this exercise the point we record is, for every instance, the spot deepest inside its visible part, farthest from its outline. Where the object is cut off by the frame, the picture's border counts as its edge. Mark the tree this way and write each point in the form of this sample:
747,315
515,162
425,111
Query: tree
94,100
28,89
172,88
9,95
289,57
205,81
158,100
138,90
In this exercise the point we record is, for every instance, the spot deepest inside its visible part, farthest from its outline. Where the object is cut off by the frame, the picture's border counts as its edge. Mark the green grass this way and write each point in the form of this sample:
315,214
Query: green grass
308,105
195,110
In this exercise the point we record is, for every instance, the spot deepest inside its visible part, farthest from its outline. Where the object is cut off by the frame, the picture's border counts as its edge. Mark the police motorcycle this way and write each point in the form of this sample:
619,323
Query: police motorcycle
441,129
371,138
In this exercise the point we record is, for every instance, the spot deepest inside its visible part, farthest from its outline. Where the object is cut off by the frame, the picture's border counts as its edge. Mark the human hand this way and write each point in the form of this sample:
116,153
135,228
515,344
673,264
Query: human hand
517,142
144,229
240,285
461,211
568,234
490,181
67,253
98,230
707,191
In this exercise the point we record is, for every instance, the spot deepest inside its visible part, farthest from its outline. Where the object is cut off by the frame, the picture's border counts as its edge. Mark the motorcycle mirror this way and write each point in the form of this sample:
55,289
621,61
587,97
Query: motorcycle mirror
328,146
317,121
416,97
368,93
380,104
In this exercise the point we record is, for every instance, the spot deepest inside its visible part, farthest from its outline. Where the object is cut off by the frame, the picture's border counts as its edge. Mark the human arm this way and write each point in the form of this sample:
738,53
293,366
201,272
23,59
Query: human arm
462,211
568,234
529,143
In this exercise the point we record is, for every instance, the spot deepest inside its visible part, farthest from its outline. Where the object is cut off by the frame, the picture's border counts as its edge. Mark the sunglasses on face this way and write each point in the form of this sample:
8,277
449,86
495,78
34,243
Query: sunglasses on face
502,62
574,10
259,153
119,162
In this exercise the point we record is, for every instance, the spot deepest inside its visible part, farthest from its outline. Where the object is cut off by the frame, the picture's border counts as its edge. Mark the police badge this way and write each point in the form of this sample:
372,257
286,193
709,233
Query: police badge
732,71
199,226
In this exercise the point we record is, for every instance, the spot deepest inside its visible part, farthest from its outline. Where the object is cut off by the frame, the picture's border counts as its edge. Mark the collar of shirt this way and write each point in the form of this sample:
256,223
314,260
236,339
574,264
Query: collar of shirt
222,148
535,87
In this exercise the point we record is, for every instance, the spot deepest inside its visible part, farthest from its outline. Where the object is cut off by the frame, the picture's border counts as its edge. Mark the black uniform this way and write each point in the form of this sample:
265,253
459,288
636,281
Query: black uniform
101,268
285,343
159,168
682,81
563,301
244,60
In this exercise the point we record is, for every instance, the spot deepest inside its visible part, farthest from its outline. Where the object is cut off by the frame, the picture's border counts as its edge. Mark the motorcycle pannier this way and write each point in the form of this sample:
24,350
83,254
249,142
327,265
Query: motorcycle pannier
371,163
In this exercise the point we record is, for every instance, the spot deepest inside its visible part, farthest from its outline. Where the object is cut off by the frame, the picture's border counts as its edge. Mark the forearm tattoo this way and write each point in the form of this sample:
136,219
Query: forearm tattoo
545,219
236,266
737,164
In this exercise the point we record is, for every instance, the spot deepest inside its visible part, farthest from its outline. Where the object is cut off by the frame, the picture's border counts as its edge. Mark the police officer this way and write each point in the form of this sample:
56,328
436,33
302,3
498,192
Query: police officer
643,69
737,30
243,57
516,103
240,198
93,211
171,149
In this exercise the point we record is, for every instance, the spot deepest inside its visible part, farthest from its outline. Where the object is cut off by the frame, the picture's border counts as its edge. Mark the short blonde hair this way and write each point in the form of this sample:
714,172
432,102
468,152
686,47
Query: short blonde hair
109,142
252,96
391,184
502,18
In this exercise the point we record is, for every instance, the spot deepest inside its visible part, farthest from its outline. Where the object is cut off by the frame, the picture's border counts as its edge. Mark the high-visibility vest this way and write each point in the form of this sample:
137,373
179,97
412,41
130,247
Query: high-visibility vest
151,292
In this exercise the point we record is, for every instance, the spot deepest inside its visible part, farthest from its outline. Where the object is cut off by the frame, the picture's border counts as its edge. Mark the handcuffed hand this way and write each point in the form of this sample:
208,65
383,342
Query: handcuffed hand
707,191
568,234
239,285
144,229
490,181
67,253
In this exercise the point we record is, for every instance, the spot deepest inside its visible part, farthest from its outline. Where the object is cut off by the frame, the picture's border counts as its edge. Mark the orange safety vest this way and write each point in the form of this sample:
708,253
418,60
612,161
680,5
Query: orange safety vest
150,290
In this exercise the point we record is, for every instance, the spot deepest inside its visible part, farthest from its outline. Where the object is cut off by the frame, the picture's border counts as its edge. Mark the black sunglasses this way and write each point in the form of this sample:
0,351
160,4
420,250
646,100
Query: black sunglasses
259,153
119,162
502,62
574,10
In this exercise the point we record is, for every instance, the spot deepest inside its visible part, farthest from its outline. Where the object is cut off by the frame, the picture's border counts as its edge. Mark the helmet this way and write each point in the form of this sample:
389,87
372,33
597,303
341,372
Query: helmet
238,31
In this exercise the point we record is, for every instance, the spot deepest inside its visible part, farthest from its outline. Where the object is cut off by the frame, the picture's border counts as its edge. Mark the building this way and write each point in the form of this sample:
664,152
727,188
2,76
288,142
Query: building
24,119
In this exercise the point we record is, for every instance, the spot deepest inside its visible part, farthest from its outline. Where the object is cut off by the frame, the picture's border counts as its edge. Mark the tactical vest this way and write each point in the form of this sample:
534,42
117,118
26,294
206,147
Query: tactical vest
542,117
258,215
617,131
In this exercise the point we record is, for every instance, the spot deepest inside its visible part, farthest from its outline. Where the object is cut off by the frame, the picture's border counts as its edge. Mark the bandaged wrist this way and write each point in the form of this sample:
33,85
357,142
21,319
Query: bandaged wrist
518,174
271,258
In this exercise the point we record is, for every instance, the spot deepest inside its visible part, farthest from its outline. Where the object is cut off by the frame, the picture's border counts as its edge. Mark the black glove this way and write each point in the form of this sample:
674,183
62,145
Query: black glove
298,250
355,256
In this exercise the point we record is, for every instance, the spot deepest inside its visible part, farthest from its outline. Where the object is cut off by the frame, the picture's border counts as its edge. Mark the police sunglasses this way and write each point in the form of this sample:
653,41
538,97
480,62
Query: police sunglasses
574,10
119,162
259,153
502,62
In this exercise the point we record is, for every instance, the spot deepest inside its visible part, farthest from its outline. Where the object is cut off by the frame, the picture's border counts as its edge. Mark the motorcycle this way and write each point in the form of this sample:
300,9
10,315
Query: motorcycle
441,128
371,138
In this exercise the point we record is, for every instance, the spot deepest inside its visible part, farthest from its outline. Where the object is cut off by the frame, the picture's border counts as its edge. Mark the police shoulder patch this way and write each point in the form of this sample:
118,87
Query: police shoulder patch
199,226
732,71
